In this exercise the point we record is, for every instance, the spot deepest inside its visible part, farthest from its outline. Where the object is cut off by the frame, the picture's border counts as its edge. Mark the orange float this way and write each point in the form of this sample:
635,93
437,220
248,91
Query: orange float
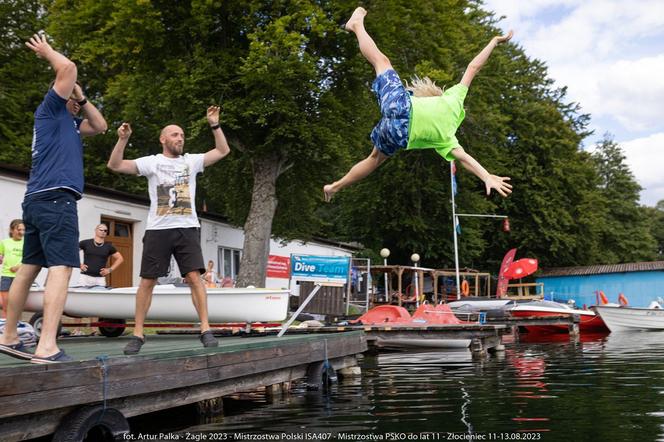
622,300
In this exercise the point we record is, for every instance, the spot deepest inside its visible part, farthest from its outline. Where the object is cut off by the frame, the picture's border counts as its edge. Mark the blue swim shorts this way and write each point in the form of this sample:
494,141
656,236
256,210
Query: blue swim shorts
51,229
391,132
5,283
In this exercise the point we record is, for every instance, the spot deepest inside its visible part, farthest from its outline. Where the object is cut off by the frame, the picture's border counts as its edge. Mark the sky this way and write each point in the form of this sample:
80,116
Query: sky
610,55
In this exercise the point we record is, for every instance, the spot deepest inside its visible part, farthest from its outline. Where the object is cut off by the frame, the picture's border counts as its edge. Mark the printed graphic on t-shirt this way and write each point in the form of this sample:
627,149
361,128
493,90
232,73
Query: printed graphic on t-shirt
173,196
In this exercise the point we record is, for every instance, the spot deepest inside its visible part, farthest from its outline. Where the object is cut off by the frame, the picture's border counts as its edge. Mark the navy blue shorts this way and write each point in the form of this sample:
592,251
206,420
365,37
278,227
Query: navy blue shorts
391,132
51,229
5,283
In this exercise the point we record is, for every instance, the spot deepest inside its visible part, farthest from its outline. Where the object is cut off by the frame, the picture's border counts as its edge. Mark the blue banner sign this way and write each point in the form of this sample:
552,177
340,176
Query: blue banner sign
320,268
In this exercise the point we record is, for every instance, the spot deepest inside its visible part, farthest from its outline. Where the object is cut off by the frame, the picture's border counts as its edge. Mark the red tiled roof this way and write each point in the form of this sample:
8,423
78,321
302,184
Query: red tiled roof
603,268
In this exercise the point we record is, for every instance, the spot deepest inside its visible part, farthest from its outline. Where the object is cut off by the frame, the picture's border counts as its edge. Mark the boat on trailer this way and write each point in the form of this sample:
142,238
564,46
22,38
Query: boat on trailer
172,303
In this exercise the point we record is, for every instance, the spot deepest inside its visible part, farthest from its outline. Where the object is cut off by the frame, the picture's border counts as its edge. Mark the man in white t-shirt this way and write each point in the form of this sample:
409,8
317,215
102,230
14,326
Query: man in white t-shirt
172,227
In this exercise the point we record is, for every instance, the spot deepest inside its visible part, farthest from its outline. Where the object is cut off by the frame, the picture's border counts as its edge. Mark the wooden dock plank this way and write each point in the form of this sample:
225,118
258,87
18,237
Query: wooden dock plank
135,376
38,424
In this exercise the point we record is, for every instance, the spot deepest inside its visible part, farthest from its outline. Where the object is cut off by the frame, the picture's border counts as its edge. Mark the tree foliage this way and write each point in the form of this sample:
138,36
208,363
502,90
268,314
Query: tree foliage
24,80
297,109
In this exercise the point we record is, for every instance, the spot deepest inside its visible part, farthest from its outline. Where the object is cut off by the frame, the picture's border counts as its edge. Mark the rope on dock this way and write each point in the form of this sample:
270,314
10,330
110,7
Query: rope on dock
104,382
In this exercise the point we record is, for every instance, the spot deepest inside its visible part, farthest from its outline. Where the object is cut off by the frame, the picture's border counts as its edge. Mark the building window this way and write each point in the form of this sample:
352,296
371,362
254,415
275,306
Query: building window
229,262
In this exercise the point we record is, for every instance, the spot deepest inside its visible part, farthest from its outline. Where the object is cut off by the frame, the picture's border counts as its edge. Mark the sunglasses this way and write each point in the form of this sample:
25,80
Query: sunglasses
103,230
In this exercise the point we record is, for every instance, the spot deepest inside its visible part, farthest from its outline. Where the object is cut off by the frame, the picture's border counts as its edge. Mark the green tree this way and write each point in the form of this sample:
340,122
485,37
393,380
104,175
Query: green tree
24,78
625,230
276,68
657,227
516,124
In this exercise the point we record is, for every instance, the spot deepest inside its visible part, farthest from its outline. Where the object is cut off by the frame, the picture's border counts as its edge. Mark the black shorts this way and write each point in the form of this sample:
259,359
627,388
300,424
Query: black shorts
159,245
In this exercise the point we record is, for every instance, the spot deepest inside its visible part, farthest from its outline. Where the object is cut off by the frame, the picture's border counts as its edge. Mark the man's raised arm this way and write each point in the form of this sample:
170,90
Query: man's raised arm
94,122
221,148
116,162
65,69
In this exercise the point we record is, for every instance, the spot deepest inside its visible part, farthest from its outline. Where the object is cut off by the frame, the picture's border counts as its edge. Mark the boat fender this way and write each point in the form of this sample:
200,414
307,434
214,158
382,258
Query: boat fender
622,300
602,297
76,425
465,288
320,375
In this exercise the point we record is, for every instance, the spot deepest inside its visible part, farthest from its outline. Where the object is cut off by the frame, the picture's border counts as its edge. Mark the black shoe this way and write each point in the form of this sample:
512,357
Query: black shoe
208,339
134,345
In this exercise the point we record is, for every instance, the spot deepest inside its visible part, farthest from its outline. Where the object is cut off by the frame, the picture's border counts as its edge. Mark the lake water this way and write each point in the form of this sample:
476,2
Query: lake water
603,388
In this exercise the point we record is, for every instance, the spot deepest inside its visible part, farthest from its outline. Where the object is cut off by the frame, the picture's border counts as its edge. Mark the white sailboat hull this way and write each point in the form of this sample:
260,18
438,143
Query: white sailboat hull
628,318
171,303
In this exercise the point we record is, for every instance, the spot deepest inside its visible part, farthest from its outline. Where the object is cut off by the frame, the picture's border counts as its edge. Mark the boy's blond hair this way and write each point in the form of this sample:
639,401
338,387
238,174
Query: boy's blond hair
423,87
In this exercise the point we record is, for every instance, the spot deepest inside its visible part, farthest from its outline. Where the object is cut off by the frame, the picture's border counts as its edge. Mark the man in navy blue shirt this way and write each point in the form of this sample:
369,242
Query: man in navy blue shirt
49,206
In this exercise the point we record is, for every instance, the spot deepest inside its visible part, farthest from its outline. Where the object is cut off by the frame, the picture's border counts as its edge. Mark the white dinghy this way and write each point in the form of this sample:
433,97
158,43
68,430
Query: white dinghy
172,303
632,318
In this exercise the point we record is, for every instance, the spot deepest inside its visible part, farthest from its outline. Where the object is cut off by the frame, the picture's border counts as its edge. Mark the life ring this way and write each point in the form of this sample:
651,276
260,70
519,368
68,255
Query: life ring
465,288
622,299
602,298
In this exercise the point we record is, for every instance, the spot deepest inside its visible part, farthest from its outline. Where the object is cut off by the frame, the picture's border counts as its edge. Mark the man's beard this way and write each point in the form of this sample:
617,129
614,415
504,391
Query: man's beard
174,149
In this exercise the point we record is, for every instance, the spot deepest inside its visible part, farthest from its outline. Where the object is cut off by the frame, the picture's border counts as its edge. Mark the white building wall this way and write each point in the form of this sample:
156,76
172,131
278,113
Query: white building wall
214,234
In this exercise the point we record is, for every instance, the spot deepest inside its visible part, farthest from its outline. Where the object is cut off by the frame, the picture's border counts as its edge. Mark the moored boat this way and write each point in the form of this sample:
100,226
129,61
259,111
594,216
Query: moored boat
426,317
471,306
172,303
589,321
633,318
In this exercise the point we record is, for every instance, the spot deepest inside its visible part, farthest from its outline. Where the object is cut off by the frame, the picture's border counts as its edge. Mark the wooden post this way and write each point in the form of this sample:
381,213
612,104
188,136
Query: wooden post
351,372
270,392
399,273
477,348
574,328
210,407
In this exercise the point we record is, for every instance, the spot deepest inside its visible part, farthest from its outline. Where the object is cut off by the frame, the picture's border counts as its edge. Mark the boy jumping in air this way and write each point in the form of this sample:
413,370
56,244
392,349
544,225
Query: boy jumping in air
427,119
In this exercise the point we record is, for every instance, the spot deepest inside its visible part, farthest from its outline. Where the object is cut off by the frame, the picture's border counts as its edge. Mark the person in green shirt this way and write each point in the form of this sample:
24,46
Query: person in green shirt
11,254
427,119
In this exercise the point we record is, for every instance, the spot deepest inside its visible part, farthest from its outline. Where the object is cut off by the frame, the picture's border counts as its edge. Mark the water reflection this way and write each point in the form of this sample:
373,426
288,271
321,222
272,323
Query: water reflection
608,388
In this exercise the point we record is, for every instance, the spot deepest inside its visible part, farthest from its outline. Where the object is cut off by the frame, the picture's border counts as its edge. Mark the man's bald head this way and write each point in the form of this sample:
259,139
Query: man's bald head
172,140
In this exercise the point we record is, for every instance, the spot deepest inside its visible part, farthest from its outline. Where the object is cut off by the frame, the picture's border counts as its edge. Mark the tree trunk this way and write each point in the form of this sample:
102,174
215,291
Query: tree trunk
258,226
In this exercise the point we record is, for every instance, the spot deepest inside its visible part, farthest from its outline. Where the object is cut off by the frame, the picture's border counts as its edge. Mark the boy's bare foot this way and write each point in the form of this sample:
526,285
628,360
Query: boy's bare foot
499,39
329,192
357,17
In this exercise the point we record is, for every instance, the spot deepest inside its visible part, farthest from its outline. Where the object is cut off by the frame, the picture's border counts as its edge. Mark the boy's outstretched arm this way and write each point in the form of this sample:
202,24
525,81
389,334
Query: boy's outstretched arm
498,183
480,59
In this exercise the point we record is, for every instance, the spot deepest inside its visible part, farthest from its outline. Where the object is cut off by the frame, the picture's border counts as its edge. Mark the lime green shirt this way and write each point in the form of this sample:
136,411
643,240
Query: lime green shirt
12,254
435,120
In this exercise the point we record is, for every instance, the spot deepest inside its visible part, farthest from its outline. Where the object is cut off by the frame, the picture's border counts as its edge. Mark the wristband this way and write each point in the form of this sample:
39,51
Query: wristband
83,102
216,126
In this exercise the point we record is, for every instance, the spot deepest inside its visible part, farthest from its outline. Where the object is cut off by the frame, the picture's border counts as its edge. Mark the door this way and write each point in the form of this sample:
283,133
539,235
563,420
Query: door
120,234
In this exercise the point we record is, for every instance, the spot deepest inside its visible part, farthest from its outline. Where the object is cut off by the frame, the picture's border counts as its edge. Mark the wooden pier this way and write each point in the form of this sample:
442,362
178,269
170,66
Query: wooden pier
479,338
106,386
